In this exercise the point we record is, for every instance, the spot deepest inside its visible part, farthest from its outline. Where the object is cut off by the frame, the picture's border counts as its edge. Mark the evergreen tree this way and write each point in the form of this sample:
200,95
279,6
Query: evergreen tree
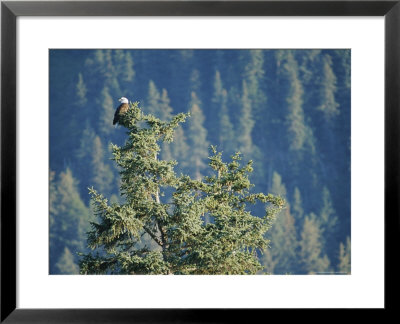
102,176
328,105
110,72
186,244
197,134
295,123
326,118
179,148
81,91
308,60
69,218
311,247
329,224
153,100
284,246
216,102
124,63
83,158
244,134
297,205
345,257
66,263
165,113
282,257
159,106
254,75
95,70
102,72
164,107
246,124
220,126
106,114
225,127
195,82
179,66
300,161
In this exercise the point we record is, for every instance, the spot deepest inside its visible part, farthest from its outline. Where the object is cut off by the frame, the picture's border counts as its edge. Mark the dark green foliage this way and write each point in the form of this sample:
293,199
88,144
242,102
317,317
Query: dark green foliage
186,243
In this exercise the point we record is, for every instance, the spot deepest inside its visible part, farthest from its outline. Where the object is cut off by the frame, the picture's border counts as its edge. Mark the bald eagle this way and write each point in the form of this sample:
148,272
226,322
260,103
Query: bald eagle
122,109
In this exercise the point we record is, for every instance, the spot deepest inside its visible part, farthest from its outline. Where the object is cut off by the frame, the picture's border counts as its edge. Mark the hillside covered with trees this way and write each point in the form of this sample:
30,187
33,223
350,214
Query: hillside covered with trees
287,110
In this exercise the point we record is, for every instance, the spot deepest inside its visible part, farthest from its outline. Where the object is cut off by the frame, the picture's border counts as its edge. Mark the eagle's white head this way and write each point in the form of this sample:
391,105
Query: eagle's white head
123,100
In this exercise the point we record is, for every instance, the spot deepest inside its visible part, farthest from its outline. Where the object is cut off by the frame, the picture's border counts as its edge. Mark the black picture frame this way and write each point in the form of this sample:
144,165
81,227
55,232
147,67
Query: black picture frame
10,10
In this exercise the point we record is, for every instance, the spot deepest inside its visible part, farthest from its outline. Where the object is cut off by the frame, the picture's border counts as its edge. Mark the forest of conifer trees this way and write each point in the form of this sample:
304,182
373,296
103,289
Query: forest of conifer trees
287,110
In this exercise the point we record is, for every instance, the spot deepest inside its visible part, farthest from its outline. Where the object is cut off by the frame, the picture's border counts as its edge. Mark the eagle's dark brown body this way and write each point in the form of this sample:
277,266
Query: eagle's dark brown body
122,109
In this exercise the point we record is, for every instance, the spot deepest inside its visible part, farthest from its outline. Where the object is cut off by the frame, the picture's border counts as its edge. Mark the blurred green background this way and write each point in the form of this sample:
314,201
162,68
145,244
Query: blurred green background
287,110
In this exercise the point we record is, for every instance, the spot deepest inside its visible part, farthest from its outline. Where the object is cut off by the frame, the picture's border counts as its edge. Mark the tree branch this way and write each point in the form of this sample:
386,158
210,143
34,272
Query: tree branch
153,236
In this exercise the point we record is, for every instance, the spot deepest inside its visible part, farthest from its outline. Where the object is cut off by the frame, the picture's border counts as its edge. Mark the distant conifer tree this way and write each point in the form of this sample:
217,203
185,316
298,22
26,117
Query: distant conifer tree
66,263
282,257
197,134
311,248
246,123
220,126
345,257
69,221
